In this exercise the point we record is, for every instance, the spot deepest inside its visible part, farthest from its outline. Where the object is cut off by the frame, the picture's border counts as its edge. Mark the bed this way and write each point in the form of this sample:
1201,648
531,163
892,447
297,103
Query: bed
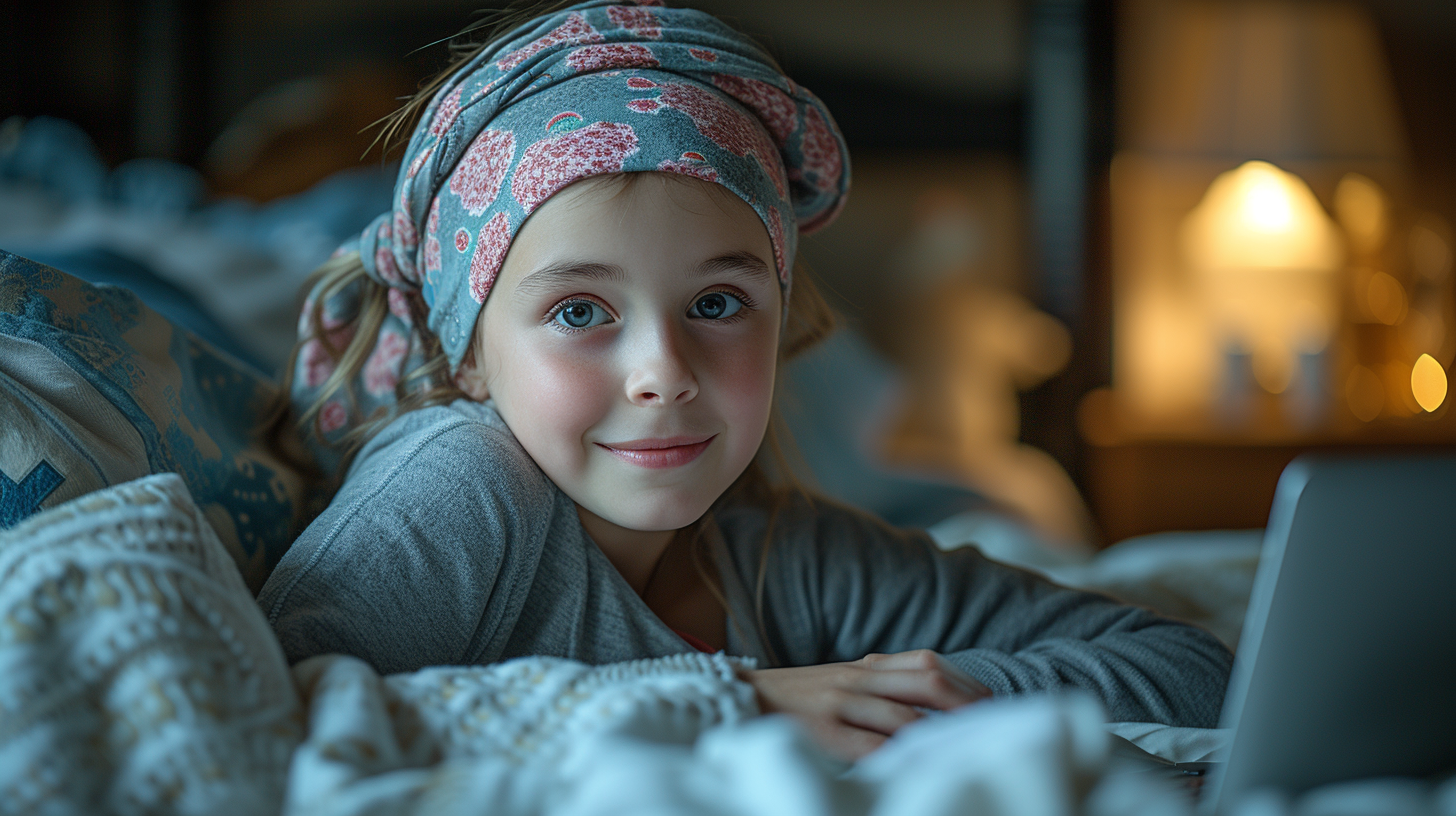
137,674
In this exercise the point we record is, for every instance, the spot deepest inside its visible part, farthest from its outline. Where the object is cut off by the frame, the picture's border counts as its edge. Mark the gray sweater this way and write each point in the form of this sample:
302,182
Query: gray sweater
448,545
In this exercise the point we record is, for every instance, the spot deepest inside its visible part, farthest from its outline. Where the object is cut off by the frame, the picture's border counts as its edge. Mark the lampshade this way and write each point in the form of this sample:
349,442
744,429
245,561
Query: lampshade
1282,81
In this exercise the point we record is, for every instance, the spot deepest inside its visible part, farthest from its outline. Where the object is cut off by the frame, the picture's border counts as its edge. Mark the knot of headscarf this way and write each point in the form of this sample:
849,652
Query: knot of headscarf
598,87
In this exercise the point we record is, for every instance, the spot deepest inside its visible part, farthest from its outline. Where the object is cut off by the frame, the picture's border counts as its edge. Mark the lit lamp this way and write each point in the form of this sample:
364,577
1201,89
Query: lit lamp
1265,257
1230,277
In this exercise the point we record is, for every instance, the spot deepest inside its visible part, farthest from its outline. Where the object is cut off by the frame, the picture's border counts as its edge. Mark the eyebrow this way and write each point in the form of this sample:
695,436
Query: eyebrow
549,277
565,272
739,261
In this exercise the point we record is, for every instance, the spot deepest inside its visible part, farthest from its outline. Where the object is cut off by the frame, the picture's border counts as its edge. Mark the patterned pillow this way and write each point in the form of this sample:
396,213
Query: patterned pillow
97,389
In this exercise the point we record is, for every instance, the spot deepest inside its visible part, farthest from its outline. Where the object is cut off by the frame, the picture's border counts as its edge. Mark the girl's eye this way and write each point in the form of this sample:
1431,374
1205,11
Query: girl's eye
580,314
716,306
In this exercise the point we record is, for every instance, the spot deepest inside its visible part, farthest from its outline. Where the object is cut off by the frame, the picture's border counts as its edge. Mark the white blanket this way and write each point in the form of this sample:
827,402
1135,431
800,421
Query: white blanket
138,676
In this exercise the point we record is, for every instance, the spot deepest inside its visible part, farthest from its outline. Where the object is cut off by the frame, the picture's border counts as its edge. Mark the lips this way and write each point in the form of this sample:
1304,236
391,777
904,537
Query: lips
663,452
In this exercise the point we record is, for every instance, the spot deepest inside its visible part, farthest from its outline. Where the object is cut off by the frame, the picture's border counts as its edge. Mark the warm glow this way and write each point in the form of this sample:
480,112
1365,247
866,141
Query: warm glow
1428,383
1260,217
1365,394
1361,207
1266,206
1385,298
1265,255
1430,255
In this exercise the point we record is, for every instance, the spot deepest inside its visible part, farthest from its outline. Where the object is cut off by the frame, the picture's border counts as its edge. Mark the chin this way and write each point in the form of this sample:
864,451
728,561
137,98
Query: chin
670,512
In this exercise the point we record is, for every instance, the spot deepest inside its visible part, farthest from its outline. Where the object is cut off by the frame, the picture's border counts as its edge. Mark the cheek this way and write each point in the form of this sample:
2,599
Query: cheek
744,378
549,399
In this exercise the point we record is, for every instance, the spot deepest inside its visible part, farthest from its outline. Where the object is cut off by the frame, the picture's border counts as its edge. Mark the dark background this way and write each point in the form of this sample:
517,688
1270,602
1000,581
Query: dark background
1029,81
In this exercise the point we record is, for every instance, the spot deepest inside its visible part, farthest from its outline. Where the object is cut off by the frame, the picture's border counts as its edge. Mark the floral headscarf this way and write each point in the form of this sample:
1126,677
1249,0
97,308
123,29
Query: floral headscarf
598,87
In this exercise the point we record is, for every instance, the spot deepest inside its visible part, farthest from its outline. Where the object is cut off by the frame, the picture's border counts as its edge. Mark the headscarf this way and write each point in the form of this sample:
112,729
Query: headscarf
605,86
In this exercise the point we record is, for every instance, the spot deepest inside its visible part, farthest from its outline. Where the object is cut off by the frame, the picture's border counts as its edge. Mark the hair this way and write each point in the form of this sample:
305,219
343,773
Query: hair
767,481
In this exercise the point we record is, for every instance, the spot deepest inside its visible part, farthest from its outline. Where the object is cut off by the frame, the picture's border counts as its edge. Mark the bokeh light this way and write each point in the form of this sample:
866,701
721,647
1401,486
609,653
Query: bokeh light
1428,383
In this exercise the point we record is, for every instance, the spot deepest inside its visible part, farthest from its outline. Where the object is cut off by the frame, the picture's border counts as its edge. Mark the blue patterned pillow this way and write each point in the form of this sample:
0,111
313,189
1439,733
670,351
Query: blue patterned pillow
97,389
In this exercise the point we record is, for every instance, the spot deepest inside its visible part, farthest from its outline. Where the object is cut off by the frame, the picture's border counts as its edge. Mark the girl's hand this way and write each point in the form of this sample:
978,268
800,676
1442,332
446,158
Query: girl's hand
850,709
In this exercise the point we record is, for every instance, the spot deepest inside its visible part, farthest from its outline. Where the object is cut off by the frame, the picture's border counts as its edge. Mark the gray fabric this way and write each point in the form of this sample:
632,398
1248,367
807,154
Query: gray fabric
447,545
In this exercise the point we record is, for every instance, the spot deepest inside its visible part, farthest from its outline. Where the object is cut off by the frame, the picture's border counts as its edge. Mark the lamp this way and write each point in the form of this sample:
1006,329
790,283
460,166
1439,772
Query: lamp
1243,124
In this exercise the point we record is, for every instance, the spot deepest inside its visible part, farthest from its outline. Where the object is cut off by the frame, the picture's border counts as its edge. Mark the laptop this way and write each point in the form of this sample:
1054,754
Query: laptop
1347,664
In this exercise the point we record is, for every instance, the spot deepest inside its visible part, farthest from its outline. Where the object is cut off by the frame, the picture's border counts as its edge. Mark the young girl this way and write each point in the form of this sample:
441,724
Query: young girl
566,333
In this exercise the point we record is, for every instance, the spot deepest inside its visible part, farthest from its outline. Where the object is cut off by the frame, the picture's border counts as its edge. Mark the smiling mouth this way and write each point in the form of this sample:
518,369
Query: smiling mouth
660,453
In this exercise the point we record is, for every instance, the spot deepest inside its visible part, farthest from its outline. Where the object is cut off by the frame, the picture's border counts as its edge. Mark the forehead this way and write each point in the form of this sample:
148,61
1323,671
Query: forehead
637,220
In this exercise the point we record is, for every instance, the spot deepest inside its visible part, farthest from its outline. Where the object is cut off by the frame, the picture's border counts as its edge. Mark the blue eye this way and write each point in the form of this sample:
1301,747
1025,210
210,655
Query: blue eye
716,306
580,314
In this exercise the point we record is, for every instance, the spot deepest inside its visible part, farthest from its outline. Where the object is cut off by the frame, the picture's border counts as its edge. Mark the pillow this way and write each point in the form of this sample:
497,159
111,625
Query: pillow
97,389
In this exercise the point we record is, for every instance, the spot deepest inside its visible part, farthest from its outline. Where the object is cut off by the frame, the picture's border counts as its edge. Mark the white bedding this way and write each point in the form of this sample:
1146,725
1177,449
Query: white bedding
138,676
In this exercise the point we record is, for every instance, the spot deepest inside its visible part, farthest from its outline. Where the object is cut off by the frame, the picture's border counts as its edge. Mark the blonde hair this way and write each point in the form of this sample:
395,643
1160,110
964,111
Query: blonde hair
808,321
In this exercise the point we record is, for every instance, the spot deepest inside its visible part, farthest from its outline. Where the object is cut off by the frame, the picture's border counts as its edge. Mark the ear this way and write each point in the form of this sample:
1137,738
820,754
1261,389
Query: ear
470,378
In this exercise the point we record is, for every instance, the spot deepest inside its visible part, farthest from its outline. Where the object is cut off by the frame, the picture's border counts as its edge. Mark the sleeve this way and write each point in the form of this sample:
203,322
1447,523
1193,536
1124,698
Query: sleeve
858,586
423,557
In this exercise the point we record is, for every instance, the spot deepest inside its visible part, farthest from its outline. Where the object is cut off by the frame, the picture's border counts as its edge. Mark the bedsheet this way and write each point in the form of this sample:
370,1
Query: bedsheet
137,675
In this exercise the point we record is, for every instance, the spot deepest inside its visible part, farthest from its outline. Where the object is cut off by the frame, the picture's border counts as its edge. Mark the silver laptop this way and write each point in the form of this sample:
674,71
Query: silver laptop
1347,664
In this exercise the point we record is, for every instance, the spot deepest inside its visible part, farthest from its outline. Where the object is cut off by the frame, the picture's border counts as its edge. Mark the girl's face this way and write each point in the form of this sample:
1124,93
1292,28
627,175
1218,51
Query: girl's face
630,343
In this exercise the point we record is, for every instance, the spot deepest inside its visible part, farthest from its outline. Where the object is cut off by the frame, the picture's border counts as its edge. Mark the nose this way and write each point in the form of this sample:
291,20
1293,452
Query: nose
660,371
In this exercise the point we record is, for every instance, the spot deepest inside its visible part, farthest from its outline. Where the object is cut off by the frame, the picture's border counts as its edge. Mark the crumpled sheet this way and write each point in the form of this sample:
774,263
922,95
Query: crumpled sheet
675,741
137,675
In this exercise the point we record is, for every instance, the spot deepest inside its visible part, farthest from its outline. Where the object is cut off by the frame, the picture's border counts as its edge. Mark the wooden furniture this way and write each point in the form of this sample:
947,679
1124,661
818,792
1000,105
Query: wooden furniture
1143,477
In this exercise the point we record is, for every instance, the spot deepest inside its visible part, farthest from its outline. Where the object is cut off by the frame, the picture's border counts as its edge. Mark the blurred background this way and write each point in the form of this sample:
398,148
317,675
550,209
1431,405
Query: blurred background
1108,265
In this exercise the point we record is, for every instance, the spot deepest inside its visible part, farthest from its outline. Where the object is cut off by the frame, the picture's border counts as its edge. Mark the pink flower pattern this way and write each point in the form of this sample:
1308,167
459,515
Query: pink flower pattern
445,114
690,165
728,127
414,168
432,240
821,152
639,21
490,251
703,54
399,306
382,369
772,105
575,31
316,363
404,236
550,164
590,58
485,89
477,178
332,416
462,240
384,264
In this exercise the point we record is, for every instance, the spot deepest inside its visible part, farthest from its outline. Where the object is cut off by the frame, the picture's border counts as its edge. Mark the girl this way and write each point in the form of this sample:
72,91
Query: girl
566,335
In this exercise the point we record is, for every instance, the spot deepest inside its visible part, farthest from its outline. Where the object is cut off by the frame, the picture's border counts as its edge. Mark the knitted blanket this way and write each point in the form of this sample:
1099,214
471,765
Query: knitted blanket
137,675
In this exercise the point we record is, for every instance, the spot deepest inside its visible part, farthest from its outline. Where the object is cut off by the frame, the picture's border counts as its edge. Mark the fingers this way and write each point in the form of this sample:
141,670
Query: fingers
874,713
927,688
844,741
916,659
927,661
851,708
